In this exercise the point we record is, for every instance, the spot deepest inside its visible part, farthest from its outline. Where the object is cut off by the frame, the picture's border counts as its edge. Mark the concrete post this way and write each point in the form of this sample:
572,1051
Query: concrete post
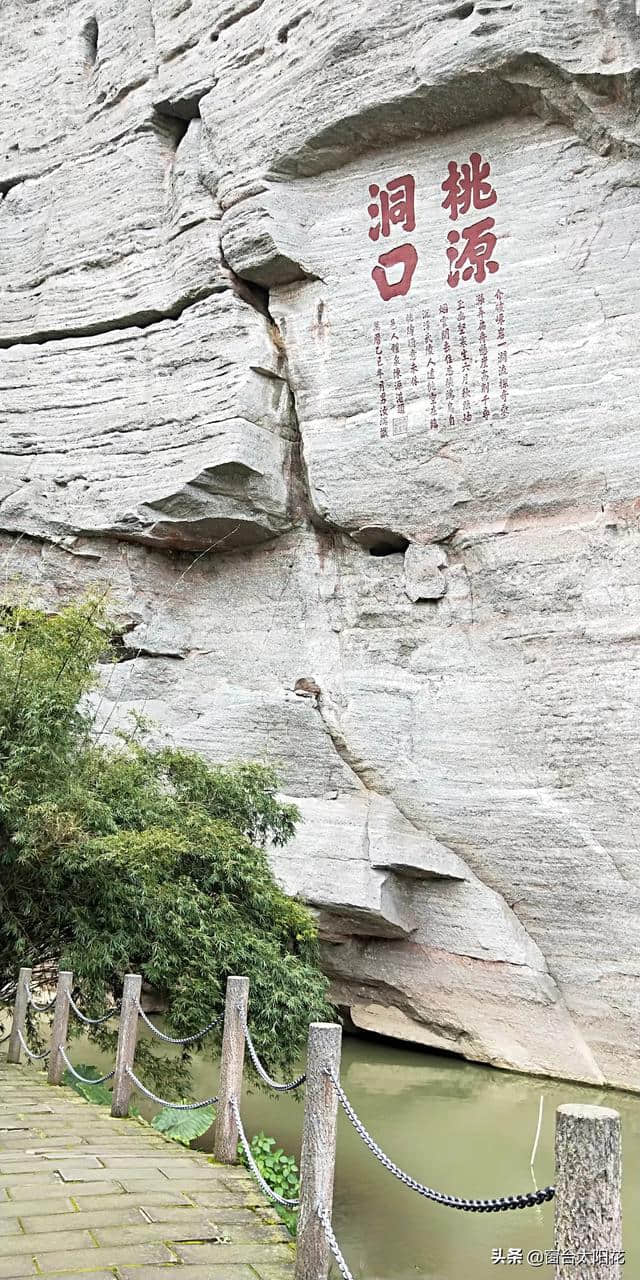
127,1038
231,1069
19,1015
588,1217
318,1158
59,1029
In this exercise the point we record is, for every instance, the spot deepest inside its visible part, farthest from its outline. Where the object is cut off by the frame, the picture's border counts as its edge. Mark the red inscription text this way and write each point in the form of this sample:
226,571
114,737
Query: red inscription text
405,257
471,250
474,258
467,187
393,206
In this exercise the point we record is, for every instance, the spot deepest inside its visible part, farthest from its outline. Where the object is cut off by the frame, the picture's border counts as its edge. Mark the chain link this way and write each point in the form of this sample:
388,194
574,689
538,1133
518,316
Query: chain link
524,1201
90,1022
273,1195
84,1079
262,1072
39,1008
173,1039
333,1243
35,1057
177,1106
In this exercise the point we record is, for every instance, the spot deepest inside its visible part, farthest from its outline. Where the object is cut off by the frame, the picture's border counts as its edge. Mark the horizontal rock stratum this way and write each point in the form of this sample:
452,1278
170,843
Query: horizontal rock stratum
318,342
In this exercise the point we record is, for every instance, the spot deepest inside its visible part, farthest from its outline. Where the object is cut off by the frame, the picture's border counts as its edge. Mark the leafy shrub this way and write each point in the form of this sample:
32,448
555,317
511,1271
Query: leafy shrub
118,859
280,1171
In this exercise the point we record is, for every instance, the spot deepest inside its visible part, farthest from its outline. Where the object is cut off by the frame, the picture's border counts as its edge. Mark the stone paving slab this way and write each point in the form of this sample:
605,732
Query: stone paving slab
87,1196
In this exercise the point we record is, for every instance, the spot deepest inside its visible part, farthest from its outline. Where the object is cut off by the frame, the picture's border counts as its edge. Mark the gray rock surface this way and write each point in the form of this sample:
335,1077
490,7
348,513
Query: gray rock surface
176,433
424,578
424,504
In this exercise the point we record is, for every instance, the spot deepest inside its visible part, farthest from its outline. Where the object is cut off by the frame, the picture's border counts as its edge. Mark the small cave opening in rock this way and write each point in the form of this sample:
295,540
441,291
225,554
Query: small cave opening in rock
181,128
463,11
390,545
90,36
177,117
379,541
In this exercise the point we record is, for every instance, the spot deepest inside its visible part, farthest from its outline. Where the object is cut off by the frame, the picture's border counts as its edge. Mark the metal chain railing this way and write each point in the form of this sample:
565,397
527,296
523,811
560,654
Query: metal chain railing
39,1008
175,1039
177,1106
91,1022
262,1072
333,1243
525,1200
84,1079
315,1243
273,1195
35,1057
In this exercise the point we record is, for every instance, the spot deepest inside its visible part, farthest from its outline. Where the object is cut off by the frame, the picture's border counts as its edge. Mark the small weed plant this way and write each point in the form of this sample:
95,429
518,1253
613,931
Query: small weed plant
279,1171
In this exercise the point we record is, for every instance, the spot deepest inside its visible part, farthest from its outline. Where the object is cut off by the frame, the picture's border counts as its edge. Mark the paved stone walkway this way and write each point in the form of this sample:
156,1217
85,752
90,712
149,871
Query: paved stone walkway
84,1194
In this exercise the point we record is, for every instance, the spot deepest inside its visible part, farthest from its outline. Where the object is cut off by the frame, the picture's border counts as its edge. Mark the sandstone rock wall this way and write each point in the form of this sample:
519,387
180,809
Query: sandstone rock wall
409,479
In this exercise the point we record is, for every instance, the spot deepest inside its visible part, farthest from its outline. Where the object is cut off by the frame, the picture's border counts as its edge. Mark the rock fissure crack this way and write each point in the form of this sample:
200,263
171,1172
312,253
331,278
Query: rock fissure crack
143,318
299,484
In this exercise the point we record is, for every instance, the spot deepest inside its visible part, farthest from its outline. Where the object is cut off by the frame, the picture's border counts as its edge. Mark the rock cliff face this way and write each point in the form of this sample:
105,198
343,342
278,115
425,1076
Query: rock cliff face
318,344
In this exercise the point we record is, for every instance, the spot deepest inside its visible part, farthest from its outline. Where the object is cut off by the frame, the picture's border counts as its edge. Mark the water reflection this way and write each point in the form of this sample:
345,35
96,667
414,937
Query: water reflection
463,1129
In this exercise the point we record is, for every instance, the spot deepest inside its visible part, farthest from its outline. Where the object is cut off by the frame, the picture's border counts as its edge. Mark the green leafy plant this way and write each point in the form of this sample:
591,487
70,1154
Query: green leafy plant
121,858
183,1126
91,1092
279,1170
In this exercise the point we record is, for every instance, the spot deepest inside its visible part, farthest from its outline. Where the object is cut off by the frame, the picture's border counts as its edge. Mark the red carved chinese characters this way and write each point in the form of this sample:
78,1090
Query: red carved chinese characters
445,335
413,349
399,421
405,257
470,251
474,259
468,187
465,362
393,206
382,393
502,354
485,388
459,341
431,368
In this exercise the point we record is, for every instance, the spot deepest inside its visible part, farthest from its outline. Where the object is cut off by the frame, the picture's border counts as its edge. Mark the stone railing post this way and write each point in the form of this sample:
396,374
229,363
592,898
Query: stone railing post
318,1158
59,1029
231,1069
127,1038
588,1217
19,1014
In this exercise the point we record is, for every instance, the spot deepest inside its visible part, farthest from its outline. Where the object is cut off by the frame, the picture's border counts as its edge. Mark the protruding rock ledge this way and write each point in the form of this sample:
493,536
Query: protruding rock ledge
177,434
